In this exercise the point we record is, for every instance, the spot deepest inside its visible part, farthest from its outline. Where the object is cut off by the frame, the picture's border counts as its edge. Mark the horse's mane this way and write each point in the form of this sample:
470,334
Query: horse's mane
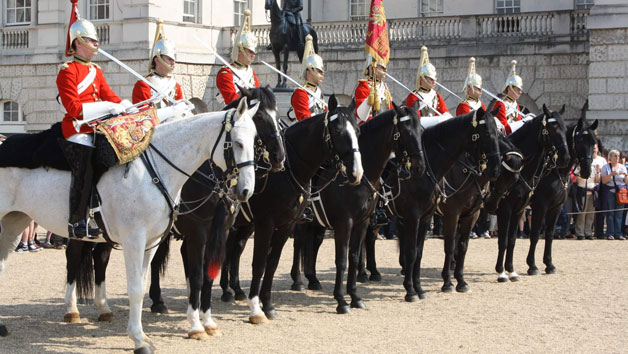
377,122
505,145
527,130
447,128
263,94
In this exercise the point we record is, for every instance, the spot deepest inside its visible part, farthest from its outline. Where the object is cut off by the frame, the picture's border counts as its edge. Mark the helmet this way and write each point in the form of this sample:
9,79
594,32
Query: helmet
473,79
244,39
369,63
83,29
162,47
426,69
311,60
514,79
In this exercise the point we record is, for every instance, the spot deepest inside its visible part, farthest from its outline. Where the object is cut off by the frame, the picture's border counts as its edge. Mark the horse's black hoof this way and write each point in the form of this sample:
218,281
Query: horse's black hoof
447,288
375,277
402,272
343,309
359,304
270,314
362,278
3,331
227,297
534,271
550,270
240,296
422,295
314,286
462,288
159,308
143,350
412,298
297,287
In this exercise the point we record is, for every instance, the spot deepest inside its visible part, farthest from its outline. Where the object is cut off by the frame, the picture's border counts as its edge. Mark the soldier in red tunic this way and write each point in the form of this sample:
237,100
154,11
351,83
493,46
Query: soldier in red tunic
243,53
81,82
431,101
473,89
508,114
304,104
163,56
372,95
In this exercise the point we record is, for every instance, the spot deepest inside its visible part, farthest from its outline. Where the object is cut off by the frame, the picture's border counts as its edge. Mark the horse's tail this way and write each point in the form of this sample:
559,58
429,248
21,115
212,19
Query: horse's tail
80,268
160,260
217,238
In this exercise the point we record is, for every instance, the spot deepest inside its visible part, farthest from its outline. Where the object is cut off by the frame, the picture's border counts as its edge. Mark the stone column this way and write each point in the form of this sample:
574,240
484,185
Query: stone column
608,87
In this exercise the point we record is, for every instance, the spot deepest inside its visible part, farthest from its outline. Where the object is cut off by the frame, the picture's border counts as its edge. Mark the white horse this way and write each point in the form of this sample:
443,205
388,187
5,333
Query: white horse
135,211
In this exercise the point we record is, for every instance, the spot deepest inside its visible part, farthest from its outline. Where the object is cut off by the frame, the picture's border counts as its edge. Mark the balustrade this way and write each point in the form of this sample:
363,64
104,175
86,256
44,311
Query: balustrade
15,38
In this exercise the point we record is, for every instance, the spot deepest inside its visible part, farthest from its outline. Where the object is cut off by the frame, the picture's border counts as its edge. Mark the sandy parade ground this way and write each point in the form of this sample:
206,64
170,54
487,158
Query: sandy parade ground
581,309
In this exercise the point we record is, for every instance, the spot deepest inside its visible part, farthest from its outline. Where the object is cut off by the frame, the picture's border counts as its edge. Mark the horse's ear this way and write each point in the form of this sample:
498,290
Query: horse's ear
416,105
242,108
562,110
398,110
352,105
245,91
579,125
593,126
546,111
494,112
332,104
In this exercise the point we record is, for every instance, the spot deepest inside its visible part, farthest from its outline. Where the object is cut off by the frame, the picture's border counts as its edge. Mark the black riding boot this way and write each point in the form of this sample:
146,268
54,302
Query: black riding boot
80,160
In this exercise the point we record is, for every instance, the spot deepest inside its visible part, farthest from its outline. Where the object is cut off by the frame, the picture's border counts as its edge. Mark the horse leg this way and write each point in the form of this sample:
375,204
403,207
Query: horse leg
416,273
227,296
408,238
450,225
297,255
362,277
276,53
462,244
550,221
313,242
357,235
341,237
286,53
242,237
101,254
263,236
538,213
194,255
78,257
157,266
503,224
371,263
211,328
278,241
512,238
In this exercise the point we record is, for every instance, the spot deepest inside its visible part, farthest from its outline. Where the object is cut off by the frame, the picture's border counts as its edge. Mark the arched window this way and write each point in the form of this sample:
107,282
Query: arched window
11,112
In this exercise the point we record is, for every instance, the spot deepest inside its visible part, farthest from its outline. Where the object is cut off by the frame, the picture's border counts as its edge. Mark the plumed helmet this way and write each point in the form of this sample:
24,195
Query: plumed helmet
82,29
426,69
311,60
369,63
473,79
514,79
161,46
244,39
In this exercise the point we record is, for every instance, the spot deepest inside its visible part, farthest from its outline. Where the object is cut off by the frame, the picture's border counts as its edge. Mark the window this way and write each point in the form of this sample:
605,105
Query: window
98,9
11,112
18,12
359,10
584,4
431,8
191,11
238,11
508,6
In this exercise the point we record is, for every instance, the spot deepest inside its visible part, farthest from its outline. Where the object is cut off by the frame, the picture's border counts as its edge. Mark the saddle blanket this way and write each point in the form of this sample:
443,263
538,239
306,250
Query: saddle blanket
130,135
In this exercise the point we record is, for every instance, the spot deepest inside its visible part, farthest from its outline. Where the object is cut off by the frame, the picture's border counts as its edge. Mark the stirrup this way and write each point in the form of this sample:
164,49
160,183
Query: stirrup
81,229
307,216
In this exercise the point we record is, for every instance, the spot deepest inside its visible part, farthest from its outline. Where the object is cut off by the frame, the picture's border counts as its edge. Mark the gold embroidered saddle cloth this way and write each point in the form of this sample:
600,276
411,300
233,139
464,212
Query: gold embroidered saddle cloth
130,134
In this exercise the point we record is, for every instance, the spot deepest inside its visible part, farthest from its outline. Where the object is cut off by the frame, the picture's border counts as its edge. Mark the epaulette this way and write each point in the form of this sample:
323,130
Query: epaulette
224,71
96,65
65,65
363,80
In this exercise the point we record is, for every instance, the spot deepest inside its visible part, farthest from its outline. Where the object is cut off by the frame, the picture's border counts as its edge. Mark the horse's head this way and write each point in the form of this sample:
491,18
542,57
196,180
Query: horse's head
485,137
340,134
582,143
511,165
269,147
407,136
552,136
242,134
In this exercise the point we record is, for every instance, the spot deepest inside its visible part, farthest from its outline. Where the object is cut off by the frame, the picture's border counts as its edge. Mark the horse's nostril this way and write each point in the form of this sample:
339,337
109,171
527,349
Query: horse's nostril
245,192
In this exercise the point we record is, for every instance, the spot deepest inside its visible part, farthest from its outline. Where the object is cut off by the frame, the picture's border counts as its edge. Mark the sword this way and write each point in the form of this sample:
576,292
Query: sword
295,82
505,103
448,90
127,68
219,58
415,95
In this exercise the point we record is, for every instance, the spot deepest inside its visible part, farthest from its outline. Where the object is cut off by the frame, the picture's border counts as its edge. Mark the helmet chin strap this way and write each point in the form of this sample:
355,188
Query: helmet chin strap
248,59
89,46
163,62
316,75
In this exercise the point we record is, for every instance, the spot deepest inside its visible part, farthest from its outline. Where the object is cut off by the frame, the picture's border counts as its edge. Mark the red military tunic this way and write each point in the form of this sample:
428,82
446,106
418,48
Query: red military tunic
226,81
304,105
142,92
505,115
361,95
468,105
73,74
435,100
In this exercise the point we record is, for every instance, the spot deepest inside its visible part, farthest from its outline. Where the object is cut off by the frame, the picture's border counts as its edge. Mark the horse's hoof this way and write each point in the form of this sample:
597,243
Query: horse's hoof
72,317
258,319
198,335
159,308
359,304
462,288
105,317
270,314
344,309
241,296
514,277
375,277
227,297
502,278
3,331
144,350
550,270
297,287
447,288
534,271
213,331
362,278
314,286
412,298
422,295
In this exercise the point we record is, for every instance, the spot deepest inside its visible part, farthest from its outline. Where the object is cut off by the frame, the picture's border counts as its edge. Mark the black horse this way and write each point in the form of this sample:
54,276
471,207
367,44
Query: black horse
275,211
199,194
543,144
551,192
281,40
348,210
